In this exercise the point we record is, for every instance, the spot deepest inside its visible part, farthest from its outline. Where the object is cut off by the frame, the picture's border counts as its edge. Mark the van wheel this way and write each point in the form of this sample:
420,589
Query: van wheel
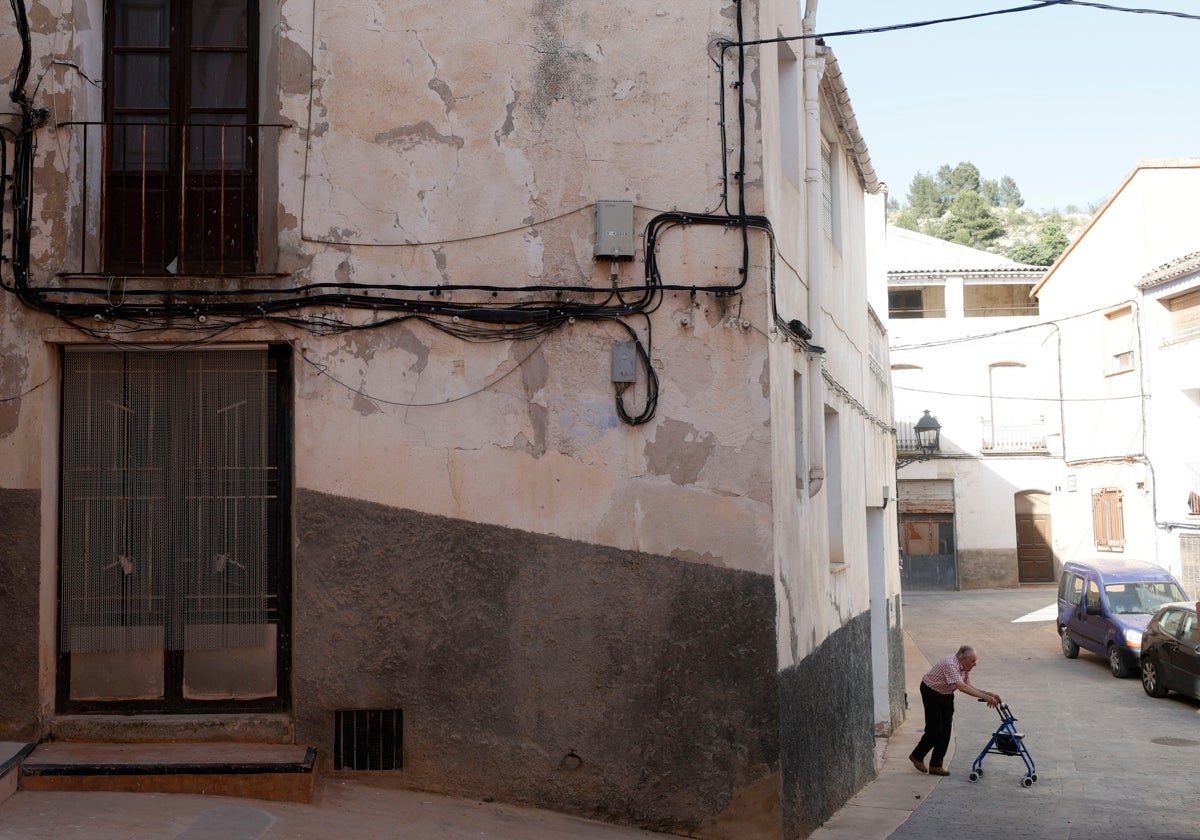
1070,649
1116,663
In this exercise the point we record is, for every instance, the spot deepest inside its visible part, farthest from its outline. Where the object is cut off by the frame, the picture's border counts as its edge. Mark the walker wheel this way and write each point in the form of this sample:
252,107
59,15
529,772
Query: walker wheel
1027,781
974,777
1033,776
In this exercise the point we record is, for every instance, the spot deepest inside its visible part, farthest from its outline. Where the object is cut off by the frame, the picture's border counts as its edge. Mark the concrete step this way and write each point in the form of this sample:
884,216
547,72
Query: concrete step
11,753
279,772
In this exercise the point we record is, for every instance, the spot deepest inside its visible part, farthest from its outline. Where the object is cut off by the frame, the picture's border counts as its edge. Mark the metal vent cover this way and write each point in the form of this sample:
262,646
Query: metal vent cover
368,739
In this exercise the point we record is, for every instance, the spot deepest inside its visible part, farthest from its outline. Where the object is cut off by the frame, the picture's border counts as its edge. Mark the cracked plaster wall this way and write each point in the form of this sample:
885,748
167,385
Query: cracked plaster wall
484,151
422,131
424,152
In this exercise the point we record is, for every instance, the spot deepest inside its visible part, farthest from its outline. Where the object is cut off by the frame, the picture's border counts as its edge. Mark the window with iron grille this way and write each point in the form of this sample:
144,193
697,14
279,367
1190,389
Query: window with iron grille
179,189
1108,519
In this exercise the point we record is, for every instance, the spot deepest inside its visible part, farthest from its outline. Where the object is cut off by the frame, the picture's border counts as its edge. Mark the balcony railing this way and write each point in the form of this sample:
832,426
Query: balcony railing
159,198
906,436
1029,436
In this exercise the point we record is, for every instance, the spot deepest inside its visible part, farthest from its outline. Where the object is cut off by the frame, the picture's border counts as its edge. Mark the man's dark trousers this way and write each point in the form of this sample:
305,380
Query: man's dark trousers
939,718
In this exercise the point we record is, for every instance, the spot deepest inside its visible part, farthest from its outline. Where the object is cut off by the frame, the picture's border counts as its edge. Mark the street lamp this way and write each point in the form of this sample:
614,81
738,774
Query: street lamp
929,432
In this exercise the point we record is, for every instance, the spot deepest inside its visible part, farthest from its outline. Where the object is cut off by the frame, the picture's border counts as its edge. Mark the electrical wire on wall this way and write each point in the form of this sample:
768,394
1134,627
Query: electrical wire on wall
468,312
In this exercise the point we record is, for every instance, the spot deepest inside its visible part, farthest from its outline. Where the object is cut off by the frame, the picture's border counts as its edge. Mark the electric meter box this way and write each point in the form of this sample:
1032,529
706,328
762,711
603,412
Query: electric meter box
614,230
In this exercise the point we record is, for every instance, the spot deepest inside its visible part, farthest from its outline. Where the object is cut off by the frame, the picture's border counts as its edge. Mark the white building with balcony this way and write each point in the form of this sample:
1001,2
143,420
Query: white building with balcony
969,345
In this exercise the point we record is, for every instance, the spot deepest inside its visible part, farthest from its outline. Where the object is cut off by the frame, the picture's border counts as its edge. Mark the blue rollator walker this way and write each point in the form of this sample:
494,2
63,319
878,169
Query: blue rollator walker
1006,740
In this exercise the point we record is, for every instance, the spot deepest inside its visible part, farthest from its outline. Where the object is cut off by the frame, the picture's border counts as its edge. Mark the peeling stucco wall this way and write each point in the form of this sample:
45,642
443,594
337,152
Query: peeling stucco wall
479,536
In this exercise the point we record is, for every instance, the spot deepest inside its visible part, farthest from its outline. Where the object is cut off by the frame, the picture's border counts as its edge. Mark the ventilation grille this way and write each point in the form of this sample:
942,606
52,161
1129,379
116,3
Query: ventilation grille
367,739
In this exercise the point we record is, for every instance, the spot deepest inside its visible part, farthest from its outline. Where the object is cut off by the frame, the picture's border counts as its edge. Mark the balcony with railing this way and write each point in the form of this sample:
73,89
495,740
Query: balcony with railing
1013,437
907,441
160,198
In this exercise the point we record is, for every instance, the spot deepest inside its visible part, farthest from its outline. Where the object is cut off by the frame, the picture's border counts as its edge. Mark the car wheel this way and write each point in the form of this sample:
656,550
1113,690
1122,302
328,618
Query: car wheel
1069,648
1116,662
1151,681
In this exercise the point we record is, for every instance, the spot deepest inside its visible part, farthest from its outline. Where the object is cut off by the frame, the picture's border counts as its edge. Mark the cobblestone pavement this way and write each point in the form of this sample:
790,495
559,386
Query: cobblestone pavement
1111,762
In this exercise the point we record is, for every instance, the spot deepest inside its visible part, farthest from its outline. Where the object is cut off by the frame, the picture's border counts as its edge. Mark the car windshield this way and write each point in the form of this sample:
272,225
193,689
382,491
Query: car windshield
1126,598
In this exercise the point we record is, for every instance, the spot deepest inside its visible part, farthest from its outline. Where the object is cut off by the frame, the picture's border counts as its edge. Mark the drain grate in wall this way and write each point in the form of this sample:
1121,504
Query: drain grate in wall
367,739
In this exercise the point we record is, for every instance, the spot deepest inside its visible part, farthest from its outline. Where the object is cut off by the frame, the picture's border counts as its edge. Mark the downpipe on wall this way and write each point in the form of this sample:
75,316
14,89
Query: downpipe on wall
814,67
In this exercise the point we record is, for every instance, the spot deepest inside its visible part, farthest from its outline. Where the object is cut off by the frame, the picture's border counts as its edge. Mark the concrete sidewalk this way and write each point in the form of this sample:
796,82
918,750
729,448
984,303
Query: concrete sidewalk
885,803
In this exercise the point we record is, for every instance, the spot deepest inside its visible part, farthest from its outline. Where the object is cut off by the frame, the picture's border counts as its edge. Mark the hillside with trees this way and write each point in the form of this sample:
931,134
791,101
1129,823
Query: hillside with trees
958,205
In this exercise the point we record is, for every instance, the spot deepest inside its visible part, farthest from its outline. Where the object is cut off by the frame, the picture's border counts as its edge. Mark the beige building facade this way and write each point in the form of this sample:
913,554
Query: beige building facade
504,399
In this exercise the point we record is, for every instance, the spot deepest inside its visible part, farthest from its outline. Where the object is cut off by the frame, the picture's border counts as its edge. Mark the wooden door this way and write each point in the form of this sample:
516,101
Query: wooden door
1035,559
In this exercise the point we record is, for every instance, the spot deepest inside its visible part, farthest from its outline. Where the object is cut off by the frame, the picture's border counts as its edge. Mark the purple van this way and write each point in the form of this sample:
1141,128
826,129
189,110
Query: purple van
1105,605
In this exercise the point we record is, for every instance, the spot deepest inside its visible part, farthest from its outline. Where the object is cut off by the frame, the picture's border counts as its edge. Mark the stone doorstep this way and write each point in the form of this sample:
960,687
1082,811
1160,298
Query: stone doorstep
276,772
163,728
11,754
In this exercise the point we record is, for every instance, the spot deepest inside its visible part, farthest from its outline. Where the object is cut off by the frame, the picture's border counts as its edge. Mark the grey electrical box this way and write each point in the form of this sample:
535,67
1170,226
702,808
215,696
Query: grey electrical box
624,362
614,230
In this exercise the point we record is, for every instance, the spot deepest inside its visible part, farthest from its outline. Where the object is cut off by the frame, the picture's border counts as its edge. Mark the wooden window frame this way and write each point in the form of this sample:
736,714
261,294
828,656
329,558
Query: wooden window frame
1108,519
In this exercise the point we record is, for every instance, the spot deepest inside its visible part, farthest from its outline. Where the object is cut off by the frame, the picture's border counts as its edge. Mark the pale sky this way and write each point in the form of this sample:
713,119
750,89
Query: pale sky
1065,100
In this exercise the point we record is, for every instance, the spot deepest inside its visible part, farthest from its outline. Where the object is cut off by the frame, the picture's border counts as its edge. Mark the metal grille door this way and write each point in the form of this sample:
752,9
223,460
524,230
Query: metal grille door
168,493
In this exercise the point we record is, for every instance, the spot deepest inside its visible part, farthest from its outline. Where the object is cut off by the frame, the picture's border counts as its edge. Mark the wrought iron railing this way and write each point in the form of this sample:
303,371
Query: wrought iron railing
1029,436
160,198
906,436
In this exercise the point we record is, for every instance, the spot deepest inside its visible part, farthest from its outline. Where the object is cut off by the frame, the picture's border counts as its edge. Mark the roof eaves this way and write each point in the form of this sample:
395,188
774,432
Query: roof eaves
835,88
1027,273
1160,163
1187,264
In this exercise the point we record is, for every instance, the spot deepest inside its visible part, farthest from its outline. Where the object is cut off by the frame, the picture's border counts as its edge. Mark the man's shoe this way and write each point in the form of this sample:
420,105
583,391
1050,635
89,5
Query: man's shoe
918,763
938,771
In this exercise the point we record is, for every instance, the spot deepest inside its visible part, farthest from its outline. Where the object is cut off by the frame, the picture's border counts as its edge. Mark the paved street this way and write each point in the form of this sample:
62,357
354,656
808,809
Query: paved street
1111,762
345,811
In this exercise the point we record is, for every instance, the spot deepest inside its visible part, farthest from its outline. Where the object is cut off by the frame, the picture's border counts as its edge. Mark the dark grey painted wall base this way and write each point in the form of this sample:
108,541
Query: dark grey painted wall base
621,685
827,728
625,686
20,577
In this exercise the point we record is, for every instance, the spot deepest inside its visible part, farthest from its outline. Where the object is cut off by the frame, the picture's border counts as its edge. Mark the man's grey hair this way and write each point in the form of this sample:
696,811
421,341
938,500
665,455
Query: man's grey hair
964,651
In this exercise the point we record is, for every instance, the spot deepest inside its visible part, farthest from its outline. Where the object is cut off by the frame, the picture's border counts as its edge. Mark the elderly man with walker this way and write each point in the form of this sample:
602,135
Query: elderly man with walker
937,695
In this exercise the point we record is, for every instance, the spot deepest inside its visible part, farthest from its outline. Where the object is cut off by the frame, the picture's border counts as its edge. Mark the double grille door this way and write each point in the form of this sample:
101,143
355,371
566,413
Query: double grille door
173,548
